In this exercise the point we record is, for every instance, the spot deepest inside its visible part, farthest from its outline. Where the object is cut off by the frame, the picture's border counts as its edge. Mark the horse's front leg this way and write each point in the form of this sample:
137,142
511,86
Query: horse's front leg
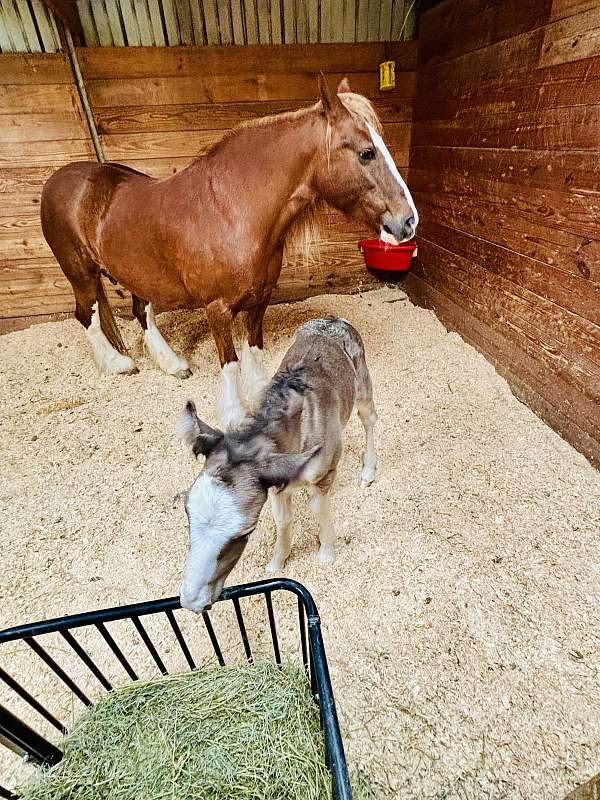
157,347
230,408
255,377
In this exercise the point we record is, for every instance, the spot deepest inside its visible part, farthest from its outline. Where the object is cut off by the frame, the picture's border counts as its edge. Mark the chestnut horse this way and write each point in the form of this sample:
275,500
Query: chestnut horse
213,235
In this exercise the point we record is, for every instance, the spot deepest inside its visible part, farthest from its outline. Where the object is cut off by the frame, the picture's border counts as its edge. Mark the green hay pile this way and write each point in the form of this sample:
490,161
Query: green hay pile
246,733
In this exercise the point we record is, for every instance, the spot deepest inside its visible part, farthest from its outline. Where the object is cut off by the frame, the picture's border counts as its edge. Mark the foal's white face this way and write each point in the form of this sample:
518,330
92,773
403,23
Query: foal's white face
216,522
225,501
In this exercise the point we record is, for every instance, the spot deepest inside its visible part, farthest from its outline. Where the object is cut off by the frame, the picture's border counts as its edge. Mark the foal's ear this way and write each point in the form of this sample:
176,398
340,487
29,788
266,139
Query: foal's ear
200,436
280,469
332,105
344,86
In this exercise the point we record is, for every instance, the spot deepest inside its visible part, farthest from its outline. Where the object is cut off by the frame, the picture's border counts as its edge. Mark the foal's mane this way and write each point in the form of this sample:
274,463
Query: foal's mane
304,235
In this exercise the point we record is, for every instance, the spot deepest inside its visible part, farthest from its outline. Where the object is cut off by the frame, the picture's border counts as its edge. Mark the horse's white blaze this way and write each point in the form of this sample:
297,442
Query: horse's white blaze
230,408
214,519
254,374
159,350
108,360
381,146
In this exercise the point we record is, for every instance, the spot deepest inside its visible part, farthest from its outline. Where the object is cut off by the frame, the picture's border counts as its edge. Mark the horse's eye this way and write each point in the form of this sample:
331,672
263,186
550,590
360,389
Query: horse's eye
367,155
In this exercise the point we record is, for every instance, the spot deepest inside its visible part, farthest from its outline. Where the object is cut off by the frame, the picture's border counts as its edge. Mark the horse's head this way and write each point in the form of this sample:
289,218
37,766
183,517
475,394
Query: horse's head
357,173
224,502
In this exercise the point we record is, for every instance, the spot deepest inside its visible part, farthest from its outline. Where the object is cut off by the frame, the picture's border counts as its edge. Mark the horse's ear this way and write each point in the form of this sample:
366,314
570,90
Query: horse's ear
200,436
344,86
332,105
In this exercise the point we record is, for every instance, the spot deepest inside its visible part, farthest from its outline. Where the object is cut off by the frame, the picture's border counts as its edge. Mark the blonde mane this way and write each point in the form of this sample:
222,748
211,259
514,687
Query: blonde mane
304,235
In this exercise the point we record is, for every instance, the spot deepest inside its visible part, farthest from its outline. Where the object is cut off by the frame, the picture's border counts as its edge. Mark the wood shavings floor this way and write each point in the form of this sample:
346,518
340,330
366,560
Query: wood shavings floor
462,617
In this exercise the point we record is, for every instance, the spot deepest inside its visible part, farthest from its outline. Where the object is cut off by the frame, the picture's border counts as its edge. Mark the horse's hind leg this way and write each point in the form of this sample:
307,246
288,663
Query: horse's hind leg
255,377
93,312
159,350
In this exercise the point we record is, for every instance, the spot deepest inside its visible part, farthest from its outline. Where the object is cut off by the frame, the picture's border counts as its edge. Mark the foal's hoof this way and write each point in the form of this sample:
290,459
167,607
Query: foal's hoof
183,374
326,555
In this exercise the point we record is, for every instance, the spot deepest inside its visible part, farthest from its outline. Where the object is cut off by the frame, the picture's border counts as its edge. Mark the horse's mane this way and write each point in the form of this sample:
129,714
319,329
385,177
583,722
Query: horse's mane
304,235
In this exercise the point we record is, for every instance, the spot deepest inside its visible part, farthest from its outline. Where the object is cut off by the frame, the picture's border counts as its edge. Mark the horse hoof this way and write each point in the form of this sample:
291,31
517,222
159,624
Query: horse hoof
182,374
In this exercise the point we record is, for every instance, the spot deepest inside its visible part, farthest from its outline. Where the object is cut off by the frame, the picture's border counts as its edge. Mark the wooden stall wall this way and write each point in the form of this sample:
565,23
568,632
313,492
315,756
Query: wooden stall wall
41,128
156,108
505,168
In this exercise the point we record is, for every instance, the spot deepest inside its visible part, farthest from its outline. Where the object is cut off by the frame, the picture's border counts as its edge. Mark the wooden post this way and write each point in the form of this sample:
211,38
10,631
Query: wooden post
68,46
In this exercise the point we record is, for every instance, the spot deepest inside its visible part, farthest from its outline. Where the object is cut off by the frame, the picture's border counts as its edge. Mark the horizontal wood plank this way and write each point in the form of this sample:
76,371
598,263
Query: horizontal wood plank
223,89
124,146
480,24
489,63
155,62
12,154
578,255
571,39
215,116
575,212
574,173
37,99
573,128
33,128
42,68
575,83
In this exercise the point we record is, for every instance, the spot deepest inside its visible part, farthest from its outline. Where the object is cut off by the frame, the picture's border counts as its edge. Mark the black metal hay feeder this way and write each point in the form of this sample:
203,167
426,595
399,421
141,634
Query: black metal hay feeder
24,740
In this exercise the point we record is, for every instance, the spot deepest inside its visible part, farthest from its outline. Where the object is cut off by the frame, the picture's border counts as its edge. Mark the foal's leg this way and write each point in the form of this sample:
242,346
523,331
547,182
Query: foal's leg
159,350
320,505
254,373
230,409
281,506
368,417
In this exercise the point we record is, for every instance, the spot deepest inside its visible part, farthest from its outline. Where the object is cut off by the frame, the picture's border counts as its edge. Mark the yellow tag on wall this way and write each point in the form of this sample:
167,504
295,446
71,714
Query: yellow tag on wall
387,75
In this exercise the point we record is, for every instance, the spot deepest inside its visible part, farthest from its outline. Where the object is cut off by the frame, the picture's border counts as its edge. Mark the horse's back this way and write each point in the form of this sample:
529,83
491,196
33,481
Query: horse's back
79,194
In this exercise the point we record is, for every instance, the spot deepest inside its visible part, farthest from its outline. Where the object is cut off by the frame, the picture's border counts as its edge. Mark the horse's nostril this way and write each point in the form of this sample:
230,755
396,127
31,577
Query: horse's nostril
387,229
410,222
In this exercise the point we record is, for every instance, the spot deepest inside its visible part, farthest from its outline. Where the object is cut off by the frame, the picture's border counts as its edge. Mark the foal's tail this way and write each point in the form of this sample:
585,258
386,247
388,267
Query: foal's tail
107,320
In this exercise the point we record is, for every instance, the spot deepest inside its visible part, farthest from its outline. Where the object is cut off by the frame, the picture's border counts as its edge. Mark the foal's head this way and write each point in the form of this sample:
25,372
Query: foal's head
225,500
357,173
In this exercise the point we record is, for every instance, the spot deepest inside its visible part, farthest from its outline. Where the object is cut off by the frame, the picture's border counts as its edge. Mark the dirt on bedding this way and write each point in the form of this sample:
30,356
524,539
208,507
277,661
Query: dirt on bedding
462,616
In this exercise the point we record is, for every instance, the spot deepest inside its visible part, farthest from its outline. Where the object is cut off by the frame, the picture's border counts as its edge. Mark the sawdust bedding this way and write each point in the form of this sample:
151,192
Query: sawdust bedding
462,615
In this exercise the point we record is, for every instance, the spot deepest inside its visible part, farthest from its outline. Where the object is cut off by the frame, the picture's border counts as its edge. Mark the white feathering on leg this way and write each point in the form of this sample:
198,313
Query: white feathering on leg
230,408
159,350
255,378
108,360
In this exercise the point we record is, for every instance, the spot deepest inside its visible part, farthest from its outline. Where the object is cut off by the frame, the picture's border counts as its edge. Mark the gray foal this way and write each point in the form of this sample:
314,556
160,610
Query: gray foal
293,440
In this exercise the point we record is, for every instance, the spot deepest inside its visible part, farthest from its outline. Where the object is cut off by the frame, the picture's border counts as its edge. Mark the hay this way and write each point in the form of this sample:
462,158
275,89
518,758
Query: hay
246,733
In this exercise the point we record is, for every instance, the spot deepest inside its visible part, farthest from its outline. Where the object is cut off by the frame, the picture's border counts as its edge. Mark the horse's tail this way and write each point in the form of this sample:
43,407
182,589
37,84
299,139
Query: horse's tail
107,320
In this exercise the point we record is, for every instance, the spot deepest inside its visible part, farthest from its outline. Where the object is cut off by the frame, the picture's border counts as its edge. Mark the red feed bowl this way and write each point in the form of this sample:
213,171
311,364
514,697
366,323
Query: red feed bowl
392,257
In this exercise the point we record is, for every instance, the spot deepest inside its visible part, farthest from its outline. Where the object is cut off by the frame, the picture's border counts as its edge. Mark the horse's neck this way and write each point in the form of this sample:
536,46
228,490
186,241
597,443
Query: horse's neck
265,167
